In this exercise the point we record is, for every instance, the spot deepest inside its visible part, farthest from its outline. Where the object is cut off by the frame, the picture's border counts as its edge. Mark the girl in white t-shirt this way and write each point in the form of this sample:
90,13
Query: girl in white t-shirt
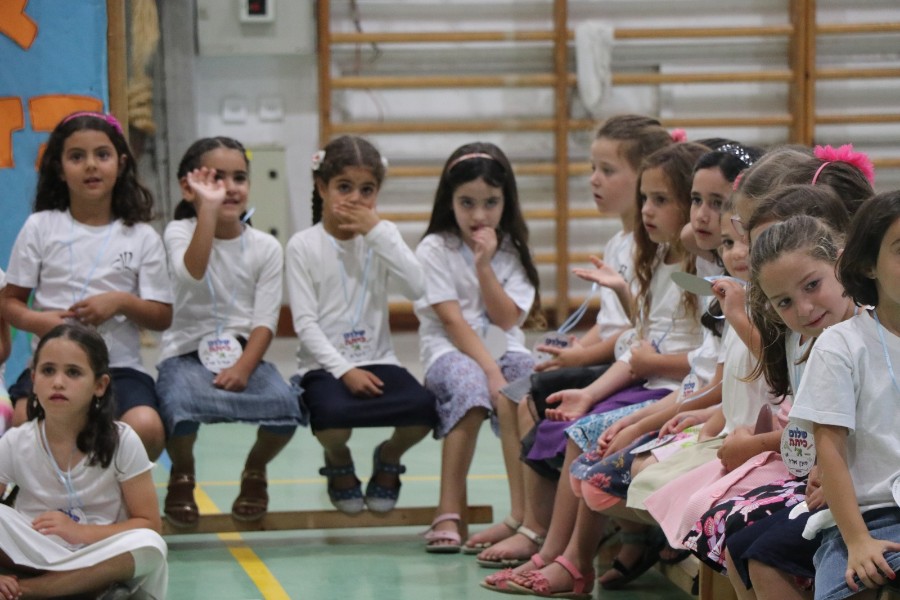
480,286
89,253
338,273
86,517
227,282
849,396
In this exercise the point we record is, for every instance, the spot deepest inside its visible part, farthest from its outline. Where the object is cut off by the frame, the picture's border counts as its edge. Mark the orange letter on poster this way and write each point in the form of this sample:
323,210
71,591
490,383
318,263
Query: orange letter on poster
15,24
11,119
47,111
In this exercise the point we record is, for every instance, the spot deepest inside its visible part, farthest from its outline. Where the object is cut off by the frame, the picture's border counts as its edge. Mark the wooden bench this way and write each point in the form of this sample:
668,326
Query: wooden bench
325,519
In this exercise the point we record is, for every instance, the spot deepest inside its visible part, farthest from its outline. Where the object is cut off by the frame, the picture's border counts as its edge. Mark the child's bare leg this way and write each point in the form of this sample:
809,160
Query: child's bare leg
181,452
736,582
510,444
393,449
267,446
337,454
91,579
149,427
456,458
769,582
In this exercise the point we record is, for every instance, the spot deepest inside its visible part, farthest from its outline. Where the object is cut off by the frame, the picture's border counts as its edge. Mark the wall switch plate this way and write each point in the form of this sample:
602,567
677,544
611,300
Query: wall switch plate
271,108
234,110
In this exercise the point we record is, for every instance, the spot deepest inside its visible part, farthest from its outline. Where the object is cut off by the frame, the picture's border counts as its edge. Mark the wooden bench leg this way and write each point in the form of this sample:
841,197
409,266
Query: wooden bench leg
713,586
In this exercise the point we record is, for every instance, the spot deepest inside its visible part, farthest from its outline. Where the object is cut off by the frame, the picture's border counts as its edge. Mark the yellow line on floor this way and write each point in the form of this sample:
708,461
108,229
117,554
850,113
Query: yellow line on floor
255,568
321,480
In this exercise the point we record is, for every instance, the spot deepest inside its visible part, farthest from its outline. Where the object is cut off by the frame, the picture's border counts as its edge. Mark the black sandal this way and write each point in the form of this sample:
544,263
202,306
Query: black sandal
652,541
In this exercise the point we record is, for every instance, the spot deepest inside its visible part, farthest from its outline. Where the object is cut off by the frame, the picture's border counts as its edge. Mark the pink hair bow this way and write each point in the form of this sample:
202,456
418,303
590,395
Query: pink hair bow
678,135
846,154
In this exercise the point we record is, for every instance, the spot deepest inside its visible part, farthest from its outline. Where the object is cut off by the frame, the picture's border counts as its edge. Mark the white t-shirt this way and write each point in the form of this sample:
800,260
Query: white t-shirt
245,276
325,283
707,268
65,261
847,383
667,325
450,276
741,400
705,358
24,461
618,254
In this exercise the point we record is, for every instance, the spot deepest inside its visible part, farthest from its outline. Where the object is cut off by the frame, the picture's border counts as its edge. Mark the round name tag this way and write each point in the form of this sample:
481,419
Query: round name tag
554,339
689,386
798,449
218,352
625,342
494,340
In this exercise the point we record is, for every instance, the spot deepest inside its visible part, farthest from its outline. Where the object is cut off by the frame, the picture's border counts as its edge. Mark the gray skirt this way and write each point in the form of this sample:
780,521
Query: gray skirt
186,393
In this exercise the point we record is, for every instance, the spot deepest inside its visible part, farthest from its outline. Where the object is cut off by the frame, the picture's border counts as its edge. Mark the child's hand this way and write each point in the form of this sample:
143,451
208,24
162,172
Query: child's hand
496,382
49,319
732,298
815,495
58,523
679,423
570,356
232,379
571,405
610,432
865,559
98,309
643,359
362,383
209,190
9,587
736,450
485,245
621,440
602,274
356,218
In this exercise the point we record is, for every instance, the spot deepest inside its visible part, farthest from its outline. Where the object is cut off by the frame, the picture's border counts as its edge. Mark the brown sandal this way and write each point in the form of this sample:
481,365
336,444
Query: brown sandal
180,507
252,502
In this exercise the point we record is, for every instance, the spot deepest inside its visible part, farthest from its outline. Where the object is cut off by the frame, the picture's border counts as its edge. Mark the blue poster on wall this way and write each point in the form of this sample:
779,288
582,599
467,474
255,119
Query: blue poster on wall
54,58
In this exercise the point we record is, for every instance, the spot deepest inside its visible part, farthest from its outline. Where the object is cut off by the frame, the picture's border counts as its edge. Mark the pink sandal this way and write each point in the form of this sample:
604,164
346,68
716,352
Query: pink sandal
432,536
498,581
536,583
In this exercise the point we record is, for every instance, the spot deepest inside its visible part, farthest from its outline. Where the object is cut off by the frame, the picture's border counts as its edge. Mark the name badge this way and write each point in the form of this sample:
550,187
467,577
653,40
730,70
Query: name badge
626,340
219,352
355,345
494,340
689,386
553,339
798,449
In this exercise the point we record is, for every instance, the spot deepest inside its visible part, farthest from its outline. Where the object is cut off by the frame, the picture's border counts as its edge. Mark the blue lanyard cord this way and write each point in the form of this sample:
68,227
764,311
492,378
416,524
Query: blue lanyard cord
576,316
887,357
73,499
80,294
367,267
658,342
220,317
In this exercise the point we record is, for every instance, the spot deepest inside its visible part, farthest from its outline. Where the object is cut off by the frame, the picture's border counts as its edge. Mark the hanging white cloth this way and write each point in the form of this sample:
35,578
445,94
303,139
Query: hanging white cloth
593,63
27,547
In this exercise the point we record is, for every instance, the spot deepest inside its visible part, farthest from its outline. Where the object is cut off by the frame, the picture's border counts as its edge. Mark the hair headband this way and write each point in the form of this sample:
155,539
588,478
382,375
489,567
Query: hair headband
470,156
846,154
737,151
319,157
111,120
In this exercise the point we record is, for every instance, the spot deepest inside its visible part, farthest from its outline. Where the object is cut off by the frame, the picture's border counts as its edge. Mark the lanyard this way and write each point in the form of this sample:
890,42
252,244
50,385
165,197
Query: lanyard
367,267
79,296
887,357
220,317
576,316
74,500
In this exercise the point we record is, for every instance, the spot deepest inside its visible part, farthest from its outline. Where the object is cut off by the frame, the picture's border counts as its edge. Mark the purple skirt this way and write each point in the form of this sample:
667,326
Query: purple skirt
550,436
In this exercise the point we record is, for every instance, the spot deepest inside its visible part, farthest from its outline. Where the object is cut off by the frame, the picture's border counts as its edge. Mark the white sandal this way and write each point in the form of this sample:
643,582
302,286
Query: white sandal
505,563
478,547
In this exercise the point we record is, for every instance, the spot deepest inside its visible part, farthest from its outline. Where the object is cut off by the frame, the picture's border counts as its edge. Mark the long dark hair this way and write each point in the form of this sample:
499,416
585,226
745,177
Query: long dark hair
339,154
494,168
193,159
856,265
100,436
131,201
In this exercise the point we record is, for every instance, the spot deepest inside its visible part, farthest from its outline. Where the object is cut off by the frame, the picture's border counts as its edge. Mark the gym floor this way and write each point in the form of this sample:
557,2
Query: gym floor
361,563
